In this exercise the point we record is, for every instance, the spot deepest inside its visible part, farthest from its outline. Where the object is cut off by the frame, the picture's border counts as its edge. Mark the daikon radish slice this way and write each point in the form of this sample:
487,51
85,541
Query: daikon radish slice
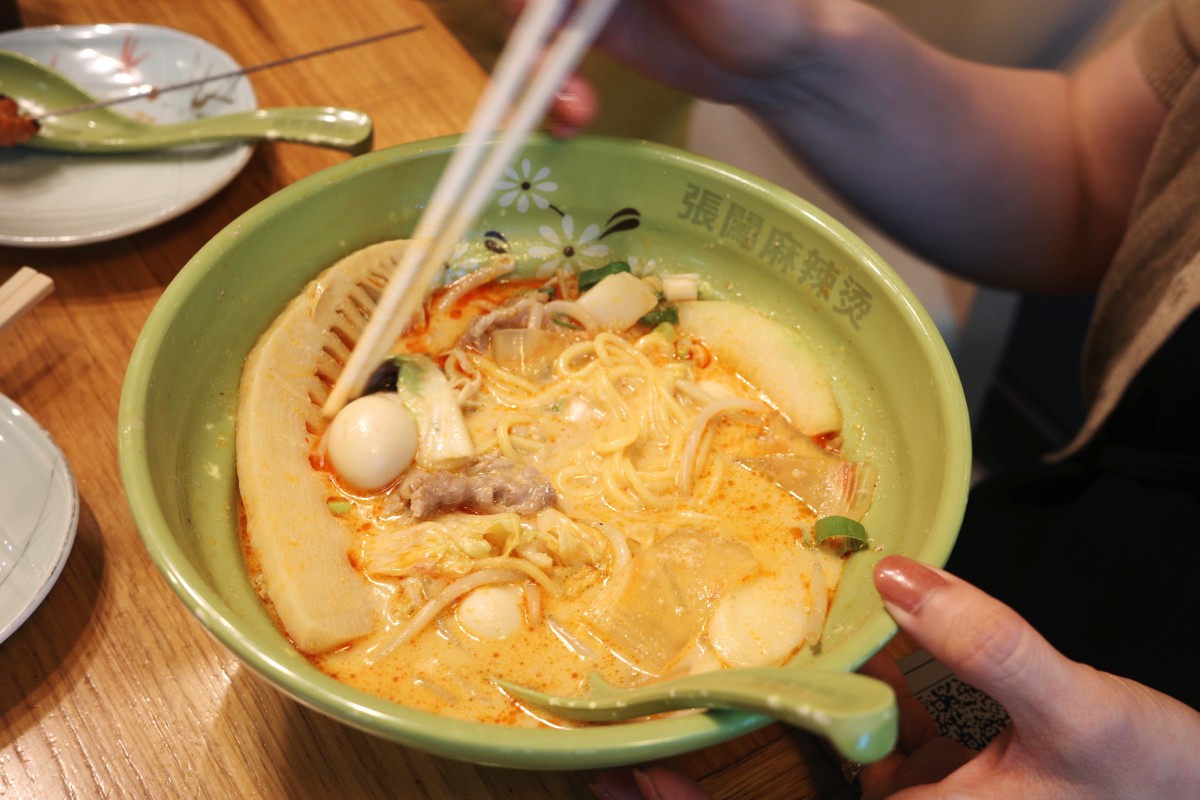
657,606
757,347
618,301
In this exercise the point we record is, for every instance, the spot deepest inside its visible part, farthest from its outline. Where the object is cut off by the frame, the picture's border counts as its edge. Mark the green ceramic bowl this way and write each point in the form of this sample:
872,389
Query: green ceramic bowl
584,201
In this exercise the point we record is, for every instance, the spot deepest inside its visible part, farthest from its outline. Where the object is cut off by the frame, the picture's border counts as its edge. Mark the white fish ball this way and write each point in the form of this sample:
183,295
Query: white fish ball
371,441
492,612
759,623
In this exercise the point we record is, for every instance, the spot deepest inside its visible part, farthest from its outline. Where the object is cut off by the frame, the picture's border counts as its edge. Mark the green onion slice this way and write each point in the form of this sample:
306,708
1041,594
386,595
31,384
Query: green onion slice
841,534
662,314
590,277
566,322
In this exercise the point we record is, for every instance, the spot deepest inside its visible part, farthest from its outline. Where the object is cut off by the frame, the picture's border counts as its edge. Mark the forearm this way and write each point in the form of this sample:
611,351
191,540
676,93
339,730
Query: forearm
1010,177
994,173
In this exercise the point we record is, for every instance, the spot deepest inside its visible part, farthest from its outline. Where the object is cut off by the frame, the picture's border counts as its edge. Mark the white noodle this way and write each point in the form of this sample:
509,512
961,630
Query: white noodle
687,466
428,612
574,311
569,640
619,544
531,571
498,266
438,690
818,603
537,316
533,604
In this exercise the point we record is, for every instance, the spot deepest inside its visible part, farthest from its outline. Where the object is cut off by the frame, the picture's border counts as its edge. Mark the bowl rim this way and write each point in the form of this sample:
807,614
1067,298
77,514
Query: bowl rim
473,741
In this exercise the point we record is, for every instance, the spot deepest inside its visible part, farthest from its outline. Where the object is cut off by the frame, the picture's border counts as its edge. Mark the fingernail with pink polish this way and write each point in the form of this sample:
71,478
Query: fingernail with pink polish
905,583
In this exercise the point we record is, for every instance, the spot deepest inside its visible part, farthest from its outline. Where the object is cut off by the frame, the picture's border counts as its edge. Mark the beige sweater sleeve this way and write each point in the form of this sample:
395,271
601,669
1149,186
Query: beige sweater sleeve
1168,41
1154,281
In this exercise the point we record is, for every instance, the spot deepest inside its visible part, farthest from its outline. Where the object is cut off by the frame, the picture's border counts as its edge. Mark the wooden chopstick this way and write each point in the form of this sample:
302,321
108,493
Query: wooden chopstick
465,186
21,292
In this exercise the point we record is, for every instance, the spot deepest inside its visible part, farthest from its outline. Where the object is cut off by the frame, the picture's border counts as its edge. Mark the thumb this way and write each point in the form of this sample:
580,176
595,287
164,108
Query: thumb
983,641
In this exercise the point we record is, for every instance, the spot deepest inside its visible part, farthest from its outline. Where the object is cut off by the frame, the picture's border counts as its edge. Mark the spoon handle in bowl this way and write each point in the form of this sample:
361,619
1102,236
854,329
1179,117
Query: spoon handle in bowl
857,714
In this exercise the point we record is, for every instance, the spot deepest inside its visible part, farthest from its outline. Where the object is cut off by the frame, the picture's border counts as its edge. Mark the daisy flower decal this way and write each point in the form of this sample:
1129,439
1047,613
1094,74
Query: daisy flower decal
565,249
525,186
459,263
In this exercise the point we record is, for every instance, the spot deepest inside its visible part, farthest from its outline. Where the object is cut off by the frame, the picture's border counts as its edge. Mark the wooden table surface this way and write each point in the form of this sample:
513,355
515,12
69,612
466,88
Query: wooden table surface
111,689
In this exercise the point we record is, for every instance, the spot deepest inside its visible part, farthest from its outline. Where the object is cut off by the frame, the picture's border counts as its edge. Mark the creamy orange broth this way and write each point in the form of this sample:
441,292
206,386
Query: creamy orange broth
445,670
443,666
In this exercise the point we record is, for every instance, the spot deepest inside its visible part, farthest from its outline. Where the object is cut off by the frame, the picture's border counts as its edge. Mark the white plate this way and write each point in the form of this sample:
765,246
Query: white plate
39,511
61,200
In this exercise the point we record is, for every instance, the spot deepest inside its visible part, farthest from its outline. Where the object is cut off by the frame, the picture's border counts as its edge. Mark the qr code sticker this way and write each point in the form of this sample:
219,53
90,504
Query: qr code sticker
961,712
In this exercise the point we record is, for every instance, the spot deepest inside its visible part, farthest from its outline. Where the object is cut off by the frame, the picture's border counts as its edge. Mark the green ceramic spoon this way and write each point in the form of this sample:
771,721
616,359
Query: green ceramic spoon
39,89
856,714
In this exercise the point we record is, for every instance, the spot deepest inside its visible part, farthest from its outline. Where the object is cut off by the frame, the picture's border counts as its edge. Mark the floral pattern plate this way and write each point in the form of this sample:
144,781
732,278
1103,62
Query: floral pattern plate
62,200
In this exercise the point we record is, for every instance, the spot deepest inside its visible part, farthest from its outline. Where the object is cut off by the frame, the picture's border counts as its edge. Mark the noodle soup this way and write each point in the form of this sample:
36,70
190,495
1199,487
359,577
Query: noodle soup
597,472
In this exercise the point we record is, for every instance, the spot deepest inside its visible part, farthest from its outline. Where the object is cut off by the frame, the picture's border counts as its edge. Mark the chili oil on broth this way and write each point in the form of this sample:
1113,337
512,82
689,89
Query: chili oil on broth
611,434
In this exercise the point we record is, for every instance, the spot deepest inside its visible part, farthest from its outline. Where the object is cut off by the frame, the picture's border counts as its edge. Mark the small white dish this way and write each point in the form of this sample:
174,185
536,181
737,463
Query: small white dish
63,200
39,512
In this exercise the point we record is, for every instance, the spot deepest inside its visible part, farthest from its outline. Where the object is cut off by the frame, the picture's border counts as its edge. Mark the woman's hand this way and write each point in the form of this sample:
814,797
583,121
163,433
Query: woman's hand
1021,179
719,49
1074,731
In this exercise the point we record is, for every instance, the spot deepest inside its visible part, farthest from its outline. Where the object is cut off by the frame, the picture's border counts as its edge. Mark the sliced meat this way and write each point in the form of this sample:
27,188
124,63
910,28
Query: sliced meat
478,335
490,486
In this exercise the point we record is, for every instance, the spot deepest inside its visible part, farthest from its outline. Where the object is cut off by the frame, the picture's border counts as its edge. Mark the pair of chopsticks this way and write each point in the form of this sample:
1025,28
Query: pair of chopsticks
22,292
465,185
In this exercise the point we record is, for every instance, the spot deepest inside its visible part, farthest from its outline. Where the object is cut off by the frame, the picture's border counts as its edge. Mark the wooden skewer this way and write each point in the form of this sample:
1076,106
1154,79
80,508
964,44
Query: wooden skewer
21,292
465,186
150,90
